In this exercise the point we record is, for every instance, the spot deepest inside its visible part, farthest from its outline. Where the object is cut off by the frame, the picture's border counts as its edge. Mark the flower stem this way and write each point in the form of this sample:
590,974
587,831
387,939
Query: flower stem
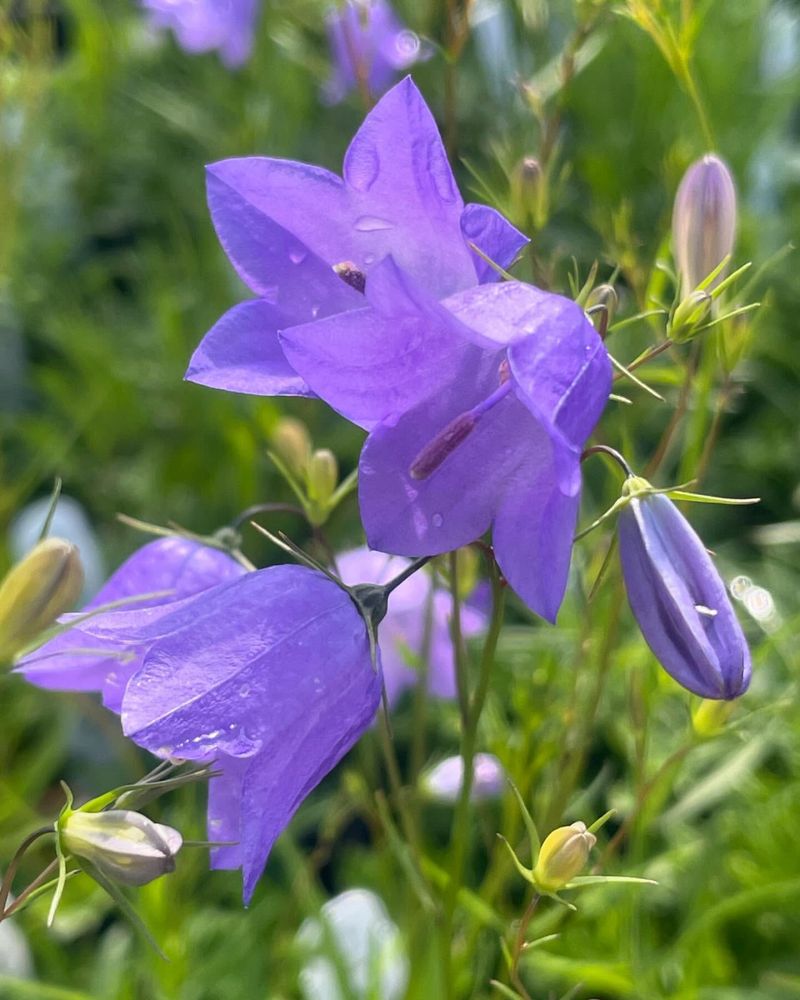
11,871
519,945
461,829
409,571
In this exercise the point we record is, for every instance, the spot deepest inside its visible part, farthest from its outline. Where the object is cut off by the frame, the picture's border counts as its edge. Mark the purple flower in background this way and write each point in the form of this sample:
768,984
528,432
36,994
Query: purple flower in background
402,631
444,781
369,45
271,676
479,409
203,25
88,657
306,241
679,600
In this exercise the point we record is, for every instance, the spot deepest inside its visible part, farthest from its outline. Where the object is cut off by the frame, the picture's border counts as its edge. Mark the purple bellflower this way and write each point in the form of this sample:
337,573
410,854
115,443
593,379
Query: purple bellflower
679,599
369,46
203,25
85,659
479,407
444,780
305,240
402,631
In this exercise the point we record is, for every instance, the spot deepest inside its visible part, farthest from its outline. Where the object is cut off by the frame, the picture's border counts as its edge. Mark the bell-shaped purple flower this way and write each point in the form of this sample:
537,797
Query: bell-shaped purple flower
445,779
403,630
703,221
479,408
89,657
369,46
204,25
680,601
270,676
305,240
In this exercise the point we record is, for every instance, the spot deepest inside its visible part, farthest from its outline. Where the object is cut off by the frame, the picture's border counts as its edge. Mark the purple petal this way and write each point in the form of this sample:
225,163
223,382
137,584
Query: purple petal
224,811
241,353
455,504
535,526
495,236
379,361
680,601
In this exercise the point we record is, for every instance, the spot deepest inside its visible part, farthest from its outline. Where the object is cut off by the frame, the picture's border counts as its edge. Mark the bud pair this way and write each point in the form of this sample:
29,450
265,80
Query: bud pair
312,473
45,584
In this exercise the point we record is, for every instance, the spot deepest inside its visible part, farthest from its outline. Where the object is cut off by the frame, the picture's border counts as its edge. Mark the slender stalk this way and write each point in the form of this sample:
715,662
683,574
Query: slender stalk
460,833
409,571
410,830
519,945
459,653
40,880
11,871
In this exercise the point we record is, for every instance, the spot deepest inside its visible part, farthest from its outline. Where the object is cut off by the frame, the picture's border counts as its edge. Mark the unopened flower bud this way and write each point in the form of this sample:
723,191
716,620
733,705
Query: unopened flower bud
45,584
123,845
690,313
528,190
601,306
562,856
323,475
710,716
703,221
292,443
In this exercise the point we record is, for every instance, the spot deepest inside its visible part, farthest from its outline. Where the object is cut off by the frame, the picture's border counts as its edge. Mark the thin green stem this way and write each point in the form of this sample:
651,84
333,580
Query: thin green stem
519,945
11,871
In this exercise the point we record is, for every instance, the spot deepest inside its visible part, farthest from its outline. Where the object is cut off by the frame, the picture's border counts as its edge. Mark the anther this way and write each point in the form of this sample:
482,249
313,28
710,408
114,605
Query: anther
445,442
351,275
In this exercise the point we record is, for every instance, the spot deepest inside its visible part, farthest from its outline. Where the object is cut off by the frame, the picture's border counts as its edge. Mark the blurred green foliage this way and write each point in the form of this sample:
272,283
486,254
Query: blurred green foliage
109,274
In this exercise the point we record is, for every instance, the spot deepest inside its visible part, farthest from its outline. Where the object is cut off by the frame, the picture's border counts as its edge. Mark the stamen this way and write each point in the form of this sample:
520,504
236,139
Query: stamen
457,431
351,275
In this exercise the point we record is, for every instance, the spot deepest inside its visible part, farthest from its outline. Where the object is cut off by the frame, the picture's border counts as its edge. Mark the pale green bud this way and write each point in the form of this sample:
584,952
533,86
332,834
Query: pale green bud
710,717
292,443
562,856
529,192
322,475
694,310
45,584
123,845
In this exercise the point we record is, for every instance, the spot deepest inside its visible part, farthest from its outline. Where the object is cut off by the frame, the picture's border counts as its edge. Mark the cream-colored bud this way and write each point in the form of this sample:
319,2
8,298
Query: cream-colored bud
292,443
45,584
123,845
562,856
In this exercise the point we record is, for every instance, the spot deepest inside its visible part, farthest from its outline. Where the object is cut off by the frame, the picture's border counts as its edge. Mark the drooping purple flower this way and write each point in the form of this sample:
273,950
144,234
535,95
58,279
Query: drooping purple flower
369,46
204,25
305,240
403,630
271,676
480,407
444,781
85,658
680,601
703,221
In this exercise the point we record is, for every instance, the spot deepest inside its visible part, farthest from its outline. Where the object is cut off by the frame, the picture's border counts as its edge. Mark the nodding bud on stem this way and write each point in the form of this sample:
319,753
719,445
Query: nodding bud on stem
292,443
562,856
123,845
444,444
351,275
703,221
45,584
601,306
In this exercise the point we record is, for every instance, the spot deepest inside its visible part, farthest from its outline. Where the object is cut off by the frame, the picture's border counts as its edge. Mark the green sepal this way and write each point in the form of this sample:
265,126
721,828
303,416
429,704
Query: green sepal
581,881
526,873
530,825
680,494
122,902
51,509
601,822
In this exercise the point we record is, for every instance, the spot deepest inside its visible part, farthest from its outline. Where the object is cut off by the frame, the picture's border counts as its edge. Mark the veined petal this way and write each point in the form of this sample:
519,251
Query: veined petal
224,811
376,362
494,235
680,601
241,353
535,525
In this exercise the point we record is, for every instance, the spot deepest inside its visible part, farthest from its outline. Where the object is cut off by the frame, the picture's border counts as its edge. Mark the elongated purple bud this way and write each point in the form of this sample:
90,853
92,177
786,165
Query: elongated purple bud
680,601
703,221
444,444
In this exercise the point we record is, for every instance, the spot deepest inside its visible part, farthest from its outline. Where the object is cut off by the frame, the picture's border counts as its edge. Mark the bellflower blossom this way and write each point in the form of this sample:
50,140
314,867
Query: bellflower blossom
305,240
479,408
402,631
166,570
680,601
369,45
445,779
203,25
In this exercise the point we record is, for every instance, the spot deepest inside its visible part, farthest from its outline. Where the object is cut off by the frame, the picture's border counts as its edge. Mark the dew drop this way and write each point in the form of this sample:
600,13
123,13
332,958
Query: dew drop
297,256
372,224
407,45
369,259
440,171
438,520
361,165
244,690
701,609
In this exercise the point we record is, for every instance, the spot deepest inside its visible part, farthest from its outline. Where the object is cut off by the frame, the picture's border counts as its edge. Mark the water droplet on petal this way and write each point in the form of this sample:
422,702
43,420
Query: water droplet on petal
441,173
438,520
407,45
372,223
361,165
701,609
297,256
369,259
244,690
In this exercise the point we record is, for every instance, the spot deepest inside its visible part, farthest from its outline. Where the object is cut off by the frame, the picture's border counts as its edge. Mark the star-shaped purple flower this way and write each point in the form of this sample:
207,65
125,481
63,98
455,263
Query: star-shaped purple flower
86,658
203,25
402,633
369,46
305,240
479,408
